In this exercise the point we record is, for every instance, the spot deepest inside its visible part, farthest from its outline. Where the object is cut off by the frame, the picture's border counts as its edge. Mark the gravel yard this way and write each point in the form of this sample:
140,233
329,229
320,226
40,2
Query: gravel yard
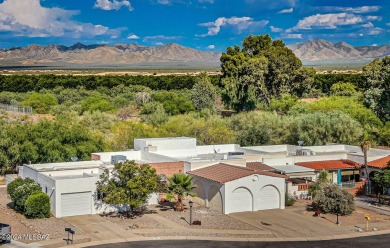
141,222
210,219
21,225
189,234
356,218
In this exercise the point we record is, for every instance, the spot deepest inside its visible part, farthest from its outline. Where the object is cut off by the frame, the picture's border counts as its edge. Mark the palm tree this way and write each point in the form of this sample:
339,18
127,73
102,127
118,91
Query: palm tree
322,180
365,145
180,186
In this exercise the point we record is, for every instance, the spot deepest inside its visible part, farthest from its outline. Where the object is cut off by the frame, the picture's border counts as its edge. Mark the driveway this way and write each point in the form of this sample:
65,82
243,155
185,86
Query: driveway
98,228
290,224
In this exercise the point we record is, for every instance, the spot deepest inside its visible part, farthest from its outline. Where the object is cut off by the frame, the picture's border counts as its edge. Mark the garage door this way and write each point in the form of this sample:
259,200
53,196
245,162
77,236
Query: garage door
76,204
268,198
241,201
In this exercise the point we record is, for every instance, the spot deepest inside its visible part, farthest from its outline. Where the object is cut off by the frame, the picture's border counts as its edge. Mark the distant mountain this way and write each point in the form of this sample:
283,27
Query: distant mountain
118,54
324,50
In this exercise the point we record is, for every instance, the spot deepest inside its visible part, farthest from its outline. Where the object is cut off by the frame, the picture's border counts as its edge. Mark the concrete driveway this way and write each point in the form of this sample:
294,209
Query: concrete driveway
290,224
98,228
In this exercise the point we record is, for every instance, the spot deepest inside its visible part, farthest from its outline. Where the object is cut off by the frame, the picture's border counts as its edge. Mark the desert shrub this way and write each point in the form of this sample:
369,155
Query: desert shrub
326,200
37,206
289,200
23,192
12,186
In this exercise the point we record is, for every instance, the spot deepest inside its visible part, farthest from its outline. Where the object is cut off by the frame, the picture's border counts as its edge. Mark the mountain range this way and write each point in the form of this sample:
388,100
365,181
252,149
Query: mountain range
319,49
118,54
171,54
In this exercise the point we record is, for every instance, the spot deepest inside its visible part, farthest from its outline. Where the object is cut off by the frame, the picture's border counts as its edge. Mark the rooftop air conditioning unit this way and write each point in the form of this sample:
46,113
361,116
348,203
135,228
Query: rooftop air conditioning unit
118,159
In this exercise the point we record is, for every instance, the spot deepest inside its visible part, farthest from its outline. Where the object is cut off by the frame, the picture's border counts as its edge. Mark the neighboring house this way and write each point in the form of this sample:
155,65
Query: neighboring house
377,165
71,187
229,189
340,171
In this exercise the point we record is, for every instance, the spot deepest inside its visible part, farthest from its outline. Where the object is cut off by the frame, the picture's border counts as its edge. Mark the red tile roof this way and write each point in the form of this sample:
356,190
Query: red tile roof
259,166
330,164
223,173
380,163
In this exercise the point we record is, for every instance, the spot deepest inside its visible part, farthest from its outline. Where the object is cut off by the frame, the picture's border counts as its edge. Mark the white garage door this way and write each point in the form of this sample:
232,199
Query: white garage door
268,198
76,204
241,201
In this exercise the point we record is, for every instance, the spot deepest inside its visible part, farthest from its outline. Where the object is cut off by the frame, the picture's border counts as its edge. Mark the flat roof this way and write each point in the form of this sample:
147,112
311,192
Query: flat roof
65,165
291,168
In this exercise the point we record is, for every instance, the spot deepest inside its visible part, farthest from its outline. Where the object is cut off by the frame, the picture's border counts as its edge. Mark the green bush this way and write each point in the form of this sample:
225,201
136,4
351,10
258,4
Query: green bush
41,103
22,192
12,186
37,206
289,200
326,200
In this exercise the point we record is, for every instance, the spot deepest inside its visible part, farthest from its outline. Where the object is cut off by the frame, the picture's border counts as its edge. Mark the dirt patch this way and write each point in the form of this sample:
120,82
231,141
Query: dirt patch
209,219
141,222
52,227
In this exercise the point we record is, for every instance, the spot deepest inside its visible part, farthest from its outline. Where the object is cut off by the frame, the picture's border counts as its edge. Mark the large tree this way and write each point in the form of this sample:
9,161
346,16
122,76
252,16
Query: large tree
260,70
128,184
204,93
377,96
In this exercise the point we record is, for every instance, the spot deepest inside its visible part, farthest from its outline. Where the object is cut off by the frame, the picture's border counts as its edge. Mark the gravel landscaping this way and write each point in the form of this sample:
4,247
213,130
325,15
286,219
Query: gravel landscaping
209,219
21,225
189,234
356,218
141,222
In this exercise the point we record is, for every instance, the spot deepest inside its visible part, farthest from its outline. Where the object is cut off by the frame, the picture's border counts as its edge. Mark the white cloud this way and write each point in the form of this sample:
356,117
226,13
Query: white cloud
113,4
211,47
29,18
356,10
374,44
292,36
159,40
283,11
239,23
375,31
330,21
133,37
276,30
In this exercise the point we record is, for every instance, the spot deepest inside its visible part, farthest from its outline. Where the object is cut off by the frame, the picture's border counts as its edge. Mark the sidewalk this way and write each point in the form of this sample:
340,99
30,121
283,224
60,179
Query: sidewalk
370,204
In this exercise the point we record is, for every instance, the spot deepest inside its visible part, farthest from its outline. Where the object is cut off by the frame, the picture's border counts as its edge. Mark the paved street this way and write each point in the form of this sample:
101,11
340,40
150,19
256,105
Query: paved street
380,241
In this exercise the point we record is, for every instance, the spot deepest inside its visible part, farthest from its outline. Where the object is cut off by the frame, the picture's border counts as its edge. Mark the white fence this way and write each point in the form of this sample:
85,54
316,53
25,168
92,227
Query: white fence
16,109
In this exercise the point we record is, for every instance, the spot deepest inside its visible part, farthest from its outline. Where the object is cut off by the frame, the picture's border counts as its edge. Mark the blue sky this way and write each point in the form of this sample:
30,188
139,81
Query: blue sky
202,24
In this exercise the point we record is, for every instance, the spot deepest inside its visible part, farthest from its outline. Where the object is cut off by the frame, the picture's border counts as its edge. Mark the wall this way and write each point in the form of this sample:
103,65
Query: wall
106,156
207,184
166,144
168,168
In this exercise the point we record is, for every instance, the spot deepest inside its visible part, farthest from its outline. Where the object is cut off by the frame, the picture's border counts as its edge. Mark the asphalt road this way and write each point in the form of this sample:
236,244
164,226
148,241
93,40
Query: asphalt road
370,241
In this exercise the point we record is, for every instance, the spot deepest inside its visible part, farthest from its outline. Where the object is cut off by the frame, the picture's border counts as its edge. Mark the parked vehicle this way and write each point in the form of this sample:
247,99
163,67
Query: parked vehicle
5,232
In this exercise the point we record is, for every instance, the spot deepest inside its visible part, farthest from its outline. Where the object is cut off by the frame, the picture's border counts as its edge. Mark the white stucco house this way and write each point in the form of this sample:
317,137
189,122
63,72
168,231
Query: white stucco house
71,186
229,189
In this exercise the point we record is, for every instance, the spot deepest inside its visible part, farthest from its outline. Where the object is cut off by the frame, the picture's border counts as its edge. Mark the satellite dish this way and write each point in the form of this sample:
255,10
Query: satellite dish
74,159
301,142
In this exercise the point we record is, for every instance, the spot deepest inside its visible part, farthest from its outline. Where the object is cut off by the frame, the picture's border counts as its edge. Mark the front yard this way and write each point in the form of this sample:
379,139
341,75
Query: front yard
52,227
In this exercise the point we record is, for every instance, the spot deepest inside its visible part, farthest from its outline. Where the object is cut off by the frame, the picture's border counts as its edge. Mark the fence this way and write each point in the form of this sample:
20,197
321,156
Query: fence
16,109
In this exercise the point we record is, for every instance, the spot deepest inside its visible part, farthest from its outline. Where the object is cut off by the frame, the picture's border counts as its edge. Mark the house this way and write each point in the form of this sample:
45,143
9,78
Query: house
340,171
229,189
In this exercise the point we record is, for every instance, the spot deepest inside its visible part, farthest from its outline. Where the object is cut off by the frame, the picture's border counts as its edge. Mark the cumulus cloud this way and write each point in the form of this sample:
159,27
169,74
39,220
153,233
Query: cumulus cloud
356,10
283,11
159,40
113,4
133,37
211,47
331,21
292,36
29,18
276,30
239,23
